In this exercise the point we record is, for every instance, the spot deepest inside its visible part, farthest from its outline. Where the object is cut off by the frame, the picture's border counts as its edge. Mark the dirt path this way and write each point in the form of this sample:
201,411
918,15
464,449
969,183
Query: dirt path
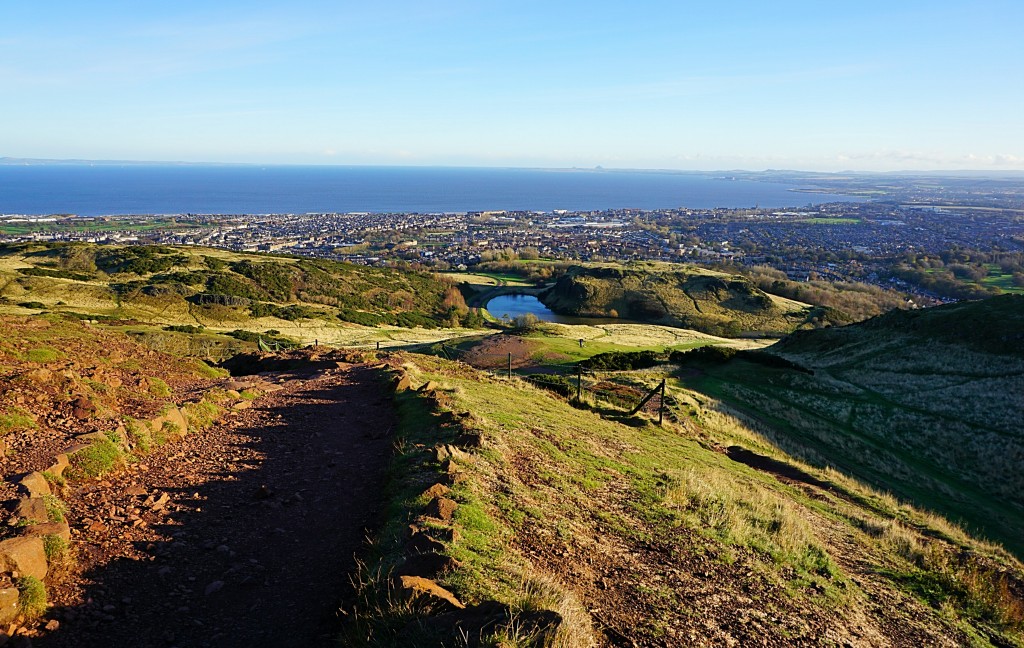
255,540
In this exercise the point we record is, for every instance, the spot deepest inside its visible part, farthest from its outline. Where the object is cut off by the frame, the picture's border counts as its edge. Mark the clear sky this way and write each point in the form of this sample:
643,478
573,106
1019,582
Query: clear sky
731,84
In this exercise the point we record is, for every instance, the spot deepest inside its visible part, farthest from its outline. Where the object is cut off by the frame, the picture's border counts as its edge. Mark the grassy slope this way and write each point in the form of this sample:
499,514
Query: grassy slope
301,298
555,347
678,295
661,537
925,404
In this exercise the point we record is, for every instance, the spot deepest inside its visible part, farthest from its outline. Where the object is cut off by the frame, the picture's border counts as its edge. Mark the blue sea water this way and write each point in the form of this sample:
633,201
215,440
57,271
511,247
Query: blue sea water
107,189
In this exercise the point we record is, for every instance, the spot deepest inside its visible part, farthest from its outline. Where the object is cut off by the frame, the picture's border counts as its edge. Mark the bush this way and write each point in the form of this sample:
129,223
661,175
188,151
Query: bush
558,384
185,328
703,355
622,360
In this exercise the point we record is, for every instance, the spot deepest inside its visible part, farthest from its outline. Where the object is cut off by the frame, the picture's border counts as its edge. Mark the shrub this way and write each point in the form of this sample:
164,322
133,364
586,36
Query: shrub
558,384
703,355
622,360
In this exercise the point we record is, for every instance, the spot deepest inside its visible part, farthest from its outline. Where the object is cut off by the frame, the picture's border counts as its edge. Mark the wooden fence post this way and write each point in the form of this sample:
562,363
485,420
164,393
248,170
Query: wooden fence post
661,405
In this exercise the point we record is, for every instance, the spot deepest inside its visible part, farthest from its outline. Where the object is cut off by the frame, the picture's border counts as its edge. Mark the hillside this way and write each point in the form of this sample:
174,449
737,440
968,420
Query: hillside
548,524
926,404
674,295
508,515
165,285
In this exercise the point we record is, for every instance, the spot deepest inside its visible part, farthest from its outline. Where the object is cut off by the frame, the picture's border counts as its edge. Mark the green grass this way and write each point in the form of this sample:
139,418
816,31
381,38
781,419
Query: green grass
42,354
159,388
16,419
56,548
829,221
31,596
206,371
887,427
203,414
99,458
576,452
571,477
56,509
1001,280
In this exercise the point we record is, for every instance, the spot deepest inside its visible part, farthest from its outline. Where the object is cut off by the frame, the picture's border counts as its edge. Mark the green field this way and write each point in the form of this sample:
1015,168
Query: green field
1001,280
830,221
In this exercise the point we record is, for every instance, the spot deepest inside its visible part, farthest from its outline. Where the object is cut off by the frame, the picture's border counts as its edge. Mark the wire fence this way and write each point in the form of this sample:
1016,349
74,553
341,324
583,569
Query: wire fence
605,389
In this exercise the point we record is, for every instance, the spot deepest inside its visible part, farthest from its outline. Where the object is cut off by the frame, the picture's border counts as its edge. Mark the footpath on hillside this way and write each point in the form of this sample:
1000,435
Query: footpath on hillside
240,535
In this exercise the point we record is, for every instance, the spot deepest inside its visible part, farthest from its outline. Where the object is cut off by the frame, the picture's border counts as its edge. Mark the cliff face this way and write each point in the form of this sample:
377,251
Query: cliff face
673,295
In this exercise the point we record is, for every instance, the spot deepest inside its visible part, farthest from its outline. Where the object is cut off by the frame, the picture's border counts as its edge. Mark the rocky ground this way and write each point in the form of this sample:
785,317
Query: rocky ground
240,535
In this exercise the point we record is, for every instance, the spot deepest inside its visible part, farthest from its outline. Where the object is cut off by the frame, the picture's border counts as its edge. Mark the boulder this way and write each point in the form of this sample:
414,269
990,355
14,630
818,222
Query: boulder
402,382
437,490
428,565
60,462
442,508
32,509
35,485
174,416
415,586
61,529
89,437
8,605
24,555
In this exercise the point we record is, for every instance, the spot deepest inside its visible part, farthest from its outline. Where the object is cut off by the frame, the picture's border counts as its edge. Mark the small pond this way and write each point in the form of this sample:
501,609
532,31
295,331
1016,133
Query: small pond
516,305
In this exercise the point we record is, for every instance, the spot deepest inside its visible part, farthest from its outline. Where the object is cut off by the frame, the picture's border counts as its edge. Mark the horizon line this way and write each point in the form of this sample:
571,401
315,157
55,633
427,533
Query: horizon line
21,161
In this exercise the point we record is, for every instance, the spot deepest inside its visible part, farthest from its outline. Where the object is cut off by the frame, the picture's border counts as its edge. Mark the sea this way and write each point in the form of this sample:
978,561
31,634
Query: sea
113,189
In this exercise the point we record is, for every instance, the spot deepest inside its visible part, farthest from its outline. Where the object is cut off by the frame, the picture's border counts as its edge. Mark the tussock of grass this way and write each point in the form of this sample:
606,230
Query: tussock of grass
31,596
159,388
56,509
140,435
206,371
201,415
56,548
42,354
96,460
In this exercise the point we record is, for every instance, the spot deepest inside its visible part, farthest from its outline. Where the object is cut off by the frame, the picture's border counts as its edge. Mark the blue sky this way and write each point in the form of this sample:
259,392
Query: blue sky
684,85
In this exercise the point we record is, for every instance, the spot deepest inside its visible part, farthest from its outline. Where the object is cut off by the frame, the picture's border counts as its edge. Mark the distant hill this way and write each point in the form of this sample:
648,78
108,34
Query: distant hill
172,285
927,404
674,295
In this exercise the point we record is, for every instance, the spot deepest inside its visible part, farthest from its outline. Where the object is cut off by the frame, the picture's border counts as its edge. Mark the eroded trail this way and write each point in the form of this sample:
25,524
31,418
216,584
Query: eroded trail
241,535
